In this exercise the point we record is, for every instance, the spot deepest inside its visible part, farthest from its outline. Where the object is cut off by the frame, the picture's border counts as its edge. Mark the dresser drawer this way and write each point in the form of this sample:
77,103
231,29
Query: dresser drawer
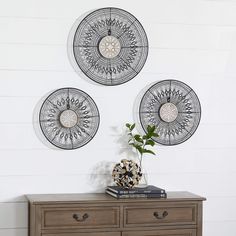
160,214
87,234
80,217
175,232
180,214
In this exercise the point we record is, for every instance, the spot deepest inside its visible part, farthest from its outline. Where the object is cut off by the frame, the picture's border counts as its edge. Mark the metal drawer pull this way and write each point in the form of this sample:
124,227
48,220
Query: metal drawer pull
80,219
164,214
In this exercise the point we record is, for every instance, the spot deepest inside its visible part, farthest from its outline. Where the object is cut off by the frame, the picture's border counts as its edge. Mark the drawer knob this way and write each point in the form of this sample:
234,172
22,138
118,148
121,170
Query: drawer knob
80,219
160,216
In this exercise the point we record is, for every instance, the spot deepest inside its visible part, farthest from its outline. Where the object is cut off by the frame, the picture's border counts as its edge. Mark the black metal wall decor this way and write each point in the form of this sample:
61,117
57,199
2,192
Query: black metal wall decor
174,108
110,46
69,118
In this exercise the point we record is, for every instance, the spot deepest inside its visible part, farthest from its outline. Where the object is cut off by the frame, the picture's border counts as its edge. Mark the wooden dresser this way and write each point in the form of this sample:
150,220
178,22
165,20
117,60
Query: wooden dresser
180,214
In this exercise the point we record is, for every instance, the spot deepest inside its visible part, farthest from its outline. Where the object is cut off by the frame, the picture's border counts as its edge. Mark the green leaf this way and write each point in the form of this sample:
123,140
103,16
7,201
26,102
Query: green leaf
151,129
148,136
139,142
155,135
150,142
138,147
138,138
128,125
148,128
145,137
148,151
132,126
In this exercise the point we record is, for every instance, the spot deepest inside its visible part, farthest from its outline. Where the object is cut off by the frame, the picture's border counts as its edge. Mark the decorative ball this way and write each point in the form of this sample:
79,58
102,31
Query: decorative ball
127,173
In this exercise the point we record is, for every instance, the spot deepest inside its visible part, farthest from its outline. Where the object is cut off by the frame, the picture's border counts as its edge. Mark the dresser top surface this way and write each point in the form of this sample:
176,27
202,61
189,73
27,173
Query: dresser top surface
102,197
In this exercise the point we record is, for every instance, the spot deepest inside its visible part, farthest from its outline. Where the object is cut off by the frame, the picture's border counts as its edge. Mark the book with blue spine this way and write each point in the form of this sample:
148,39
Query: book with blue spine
149,189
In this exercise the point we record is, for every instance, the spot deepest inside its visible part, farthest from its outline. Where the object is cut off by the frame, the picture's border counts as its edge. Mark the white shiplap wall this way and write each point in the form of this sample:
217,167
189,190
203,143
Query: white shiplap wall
190,40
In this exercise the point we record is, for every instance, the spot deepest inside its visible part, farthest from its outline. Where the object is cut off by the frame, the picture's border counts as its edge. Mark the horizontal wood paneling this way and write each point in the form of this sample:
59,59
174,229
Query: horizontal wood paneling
25,138
219,228
51,32
16,186
54,58
11,98
24,31
187,160
193,41
226,213
40,57
14,232
184,11
13,215
36,84
190,181
184,160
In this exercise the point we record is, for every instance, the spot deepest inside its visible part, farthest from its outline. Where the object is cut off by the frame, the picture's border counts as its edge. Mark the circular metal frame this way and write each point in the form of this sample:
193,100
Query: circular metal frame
69,118
158,107
130,49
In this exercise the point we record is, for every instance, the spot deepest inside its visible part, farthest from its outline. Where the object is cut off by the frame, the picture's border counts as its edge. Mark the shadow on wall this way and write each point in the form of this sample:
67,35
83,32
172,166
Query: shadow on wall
137,105
70,51
101,174
121,138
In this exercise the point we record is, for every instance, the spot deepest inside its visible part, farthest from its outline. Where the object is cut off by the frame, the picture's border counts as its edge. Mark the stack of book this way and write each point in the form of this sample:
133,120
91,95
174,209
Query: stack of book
149,191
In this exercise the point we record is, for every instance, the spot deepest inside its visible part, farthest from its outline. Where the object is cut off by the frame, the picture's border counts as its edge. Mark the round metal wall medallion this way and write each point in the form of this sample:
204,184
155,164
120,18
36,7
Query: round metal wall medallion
110,46
69,118
174,108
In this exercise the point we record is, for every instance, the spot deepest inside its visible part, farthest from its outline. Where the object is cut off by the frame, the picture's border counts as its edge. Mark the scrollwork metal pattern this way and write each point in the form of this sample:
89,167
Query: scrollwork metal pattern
126,45
174,108
69,118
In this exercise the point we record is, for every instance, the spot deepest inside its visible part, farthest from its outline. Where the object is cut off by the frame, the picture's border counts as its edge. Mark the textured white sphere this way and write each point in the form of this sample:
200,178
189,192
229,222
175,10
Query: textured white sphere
109,46
68,118
168,112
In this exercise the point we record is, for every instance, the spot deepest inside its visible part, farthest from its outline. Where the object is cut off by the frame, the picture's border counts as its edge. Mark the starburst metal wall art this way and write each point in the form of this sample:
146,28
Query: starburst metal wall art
174,108
110,46
69,118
